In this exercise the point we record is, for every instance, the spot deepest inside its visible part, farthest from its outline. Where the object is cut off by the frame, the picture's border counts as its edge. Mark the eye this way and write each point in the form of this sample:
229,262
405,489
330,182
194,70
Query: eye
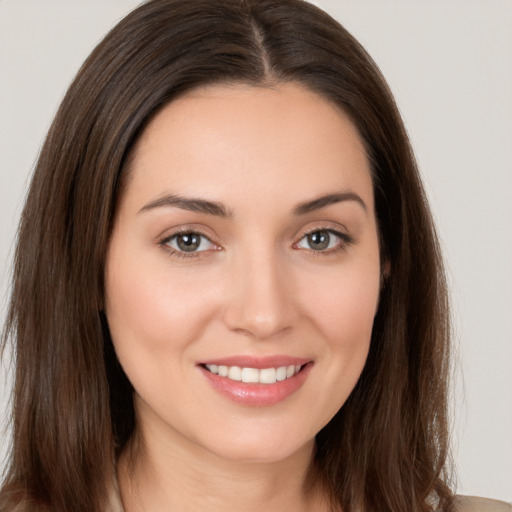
189,242
321,240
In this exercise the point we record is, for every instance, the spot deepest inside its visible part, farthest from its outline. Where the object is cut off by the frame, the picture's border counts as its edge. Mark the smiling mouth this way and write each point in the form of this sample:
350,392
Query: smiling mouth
258,382
255,375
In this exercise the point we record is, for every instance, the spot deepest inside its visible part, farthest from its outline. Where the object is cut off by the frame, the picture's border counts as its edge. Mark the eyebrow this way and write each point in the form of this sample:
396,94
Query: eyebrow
192,204
327,200
219,210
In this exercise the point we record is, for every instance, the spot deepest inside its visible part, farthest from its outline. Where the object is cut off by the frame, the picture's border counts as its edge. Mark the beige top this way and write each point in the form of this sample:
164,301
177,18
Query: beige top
474,504
462,504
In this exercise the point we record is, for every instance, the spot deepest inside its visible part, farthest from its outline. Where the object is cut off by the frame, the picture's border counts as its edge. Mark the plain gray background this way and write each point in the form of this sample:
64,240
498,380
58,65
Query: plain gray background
449,64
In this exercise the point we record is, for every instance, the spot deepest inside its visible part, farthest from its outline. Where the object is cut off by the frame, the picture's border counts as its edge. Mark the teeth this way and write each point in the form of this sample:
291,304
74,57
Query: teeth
267,375
235,373
281,373
250,375
253,375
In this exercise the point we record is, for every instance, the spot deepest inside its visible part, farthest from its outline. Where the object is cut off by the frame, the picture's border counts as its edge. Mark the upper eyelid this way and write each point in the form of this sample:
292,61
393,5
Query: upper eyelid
346,238
183,231
339,231
329,229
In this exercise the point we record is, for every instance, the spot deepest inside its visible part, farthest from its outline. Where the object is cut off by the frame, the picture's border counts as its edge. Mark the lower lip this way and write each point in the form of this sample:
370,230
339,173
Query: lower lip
257,395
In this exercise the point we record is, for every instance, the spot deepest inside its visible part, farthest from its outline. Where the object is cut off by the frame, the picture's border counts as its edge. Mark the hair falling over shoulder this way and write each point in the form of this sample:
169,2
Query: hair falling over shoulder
386,450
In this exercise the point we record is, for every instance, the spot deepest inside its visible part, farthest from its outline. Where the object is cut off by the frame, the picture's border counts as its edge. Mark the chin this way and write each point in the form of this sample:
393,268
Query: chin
260,448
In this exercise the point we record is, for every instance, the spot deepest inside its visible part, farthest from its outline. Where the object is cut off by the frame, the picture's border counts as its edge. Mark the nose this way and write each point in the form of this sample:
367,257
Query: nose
261,303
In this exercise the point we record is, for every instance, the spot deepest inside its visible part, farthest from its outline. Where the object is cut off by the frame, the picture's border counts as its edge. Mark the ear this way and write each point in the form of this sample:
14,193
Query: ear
385,270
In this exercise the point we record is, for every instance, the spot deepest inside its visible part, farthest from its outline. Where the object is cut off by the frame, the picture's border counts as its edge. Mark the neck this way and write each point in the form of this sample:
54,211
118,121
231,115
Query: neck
157,474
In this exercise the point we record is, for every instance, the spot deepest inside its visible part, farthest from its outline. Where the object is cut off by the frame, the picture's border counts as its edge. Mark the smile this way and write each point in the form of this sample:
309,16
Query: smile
255,375
259,382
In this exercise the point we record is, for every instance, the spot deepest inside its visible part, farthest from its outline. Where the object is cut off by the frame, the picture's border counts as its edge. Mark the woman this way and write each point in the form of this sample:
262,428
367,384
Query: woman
225,310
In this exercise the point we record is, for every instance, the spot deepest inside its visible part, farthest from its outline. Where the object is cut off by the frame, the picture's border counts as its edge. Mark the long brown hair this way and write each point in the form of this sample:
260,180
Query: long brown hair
386,449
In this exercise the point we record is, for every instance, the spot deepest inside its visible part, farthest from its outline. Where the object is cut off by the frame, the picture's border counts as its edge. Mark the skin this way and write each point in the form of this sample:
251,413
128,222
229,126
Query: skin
255,287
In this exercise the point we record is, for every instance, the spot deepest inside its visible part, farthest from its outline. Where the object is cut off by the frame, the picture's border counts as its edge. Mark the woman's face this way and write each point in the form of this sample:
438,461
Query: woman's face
244,247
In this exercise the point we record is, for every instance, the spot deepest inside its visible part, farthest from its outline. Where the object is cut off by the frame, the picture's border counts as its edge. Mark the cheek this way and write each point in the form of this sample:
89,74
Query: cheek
149,311
154,316
343,313
345,306
344,310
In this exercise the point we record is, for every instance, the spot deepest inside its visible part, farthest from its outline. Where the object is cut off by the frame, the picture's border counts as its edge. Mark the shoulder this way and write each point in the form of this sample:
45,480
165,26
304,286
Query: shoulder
474,504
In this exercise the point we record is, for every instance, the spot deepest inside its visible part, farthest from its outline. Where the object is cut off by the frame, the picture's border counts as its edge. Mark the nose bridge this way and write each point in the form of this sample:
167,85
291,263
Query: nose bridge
261,304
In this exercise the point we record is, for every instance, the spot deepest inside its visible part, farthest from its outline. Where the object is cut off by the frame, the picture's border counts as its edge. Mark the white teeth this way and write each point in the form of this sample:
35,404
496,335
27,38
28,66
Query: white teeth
281,373
213,368
235,373
250,375
268,376
253,375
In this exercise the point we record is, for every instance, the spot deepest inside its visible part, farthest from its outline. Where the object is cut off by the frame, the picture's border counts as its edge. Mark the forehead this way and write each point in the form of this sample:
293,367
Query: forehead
270,139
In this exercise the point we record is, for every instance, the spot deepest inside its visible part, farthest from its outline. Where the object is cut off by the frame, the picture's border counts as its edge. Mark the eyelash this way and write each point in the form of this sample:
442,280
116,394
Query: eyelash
344,242
164,243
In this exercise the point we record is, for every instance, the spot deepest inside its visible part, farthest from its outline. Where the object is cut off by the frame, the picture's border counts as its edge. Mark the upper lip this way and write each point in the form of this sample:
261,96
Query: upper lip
257,362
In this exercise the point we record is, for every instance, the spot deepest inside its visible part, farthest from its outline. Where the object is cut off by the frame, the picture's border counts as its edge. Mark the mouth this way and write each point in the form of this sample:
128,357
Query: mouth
257,382
250,375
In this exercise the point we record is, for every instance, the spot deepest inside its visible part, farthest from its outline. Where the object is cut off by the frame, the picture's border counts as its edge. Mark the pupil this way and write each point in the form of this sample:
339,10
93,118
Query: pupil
188,242
319,240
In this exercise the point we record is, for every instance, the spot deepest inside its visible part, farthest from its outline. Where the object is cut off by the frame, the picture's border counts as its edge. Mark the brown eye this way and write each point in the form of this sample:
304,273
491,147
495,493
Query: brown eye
321,240
189,242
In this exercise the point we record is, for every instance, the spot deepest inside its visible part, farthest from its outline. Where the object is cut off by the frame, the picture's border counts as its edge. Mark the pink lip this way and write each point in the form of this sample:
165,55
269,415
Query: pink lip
252,394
